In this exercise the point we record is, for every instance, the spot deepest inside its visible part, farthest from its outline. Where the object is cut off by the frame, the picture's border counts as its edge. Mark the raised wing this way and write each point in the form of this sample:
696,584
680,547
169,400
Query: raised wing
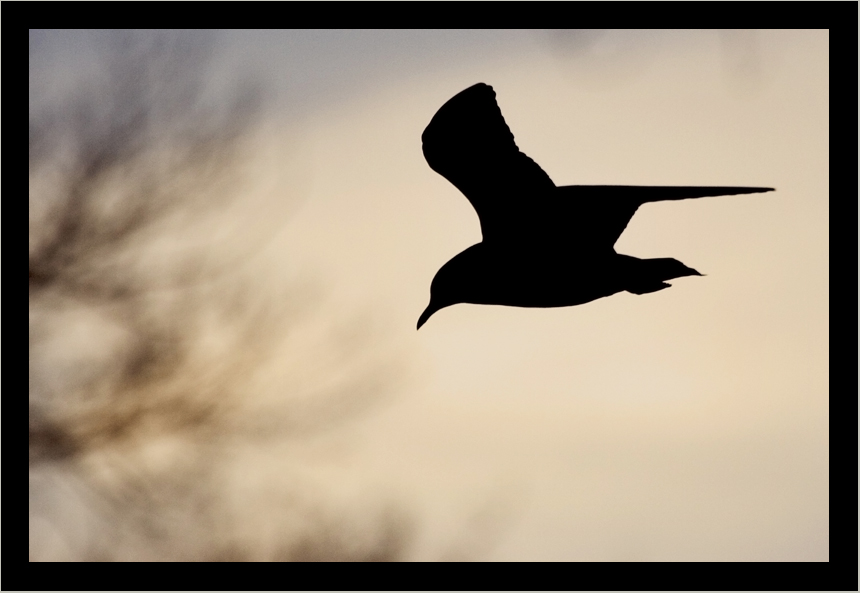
470,145
594,216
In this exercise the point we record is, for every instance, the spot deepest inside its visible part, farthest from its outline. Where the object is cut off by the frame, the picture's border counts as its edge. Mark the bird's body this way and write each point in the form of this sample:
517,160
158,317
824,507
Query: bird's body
543,245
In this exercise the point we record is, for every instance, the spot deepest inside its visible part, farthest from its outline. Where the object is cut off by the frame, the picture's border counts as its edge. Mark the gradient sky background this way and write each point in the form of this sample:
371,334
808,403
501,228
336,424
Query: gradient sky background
688,424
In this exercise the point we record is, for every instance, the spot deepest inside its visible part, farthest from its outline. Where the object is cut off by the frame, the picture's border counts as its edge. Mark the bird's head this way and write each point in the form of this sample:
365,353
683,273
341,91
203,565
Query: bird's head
431,308
461,280
443,293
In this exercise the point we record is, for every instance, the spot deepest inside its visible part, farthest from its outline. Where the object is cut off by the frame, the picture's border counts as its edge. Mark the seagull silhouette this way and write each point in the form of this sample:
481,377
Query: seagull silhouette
543,245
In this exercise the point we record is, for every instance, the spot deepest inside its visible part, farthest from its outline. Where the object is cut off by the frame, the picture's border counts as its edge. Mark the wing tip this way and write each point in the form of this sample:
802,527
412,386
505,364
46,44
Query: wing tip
478,85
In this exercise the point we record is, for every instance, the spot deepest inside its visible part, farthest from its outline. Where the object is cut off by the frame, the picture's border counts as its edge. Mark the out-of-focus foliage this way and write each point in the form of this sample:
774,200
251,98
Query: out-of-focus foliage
158,429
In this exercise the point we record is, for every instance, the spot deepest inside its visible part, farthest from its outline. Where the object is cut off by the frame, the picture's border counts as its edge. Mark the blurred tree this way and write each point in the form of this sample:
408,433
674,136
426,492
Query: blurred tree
146,357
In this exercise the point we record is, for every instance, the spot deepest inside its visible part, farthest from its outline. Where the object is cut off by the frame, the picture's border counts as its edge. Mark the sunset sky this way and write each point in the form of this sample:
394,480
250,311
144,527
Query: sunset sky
687,424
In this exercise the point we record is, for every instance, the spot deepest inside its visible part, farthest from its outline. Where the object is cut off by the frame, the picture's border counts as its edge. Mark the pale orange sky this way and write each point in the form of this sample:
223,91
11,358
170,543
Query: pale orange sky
687,424
690,424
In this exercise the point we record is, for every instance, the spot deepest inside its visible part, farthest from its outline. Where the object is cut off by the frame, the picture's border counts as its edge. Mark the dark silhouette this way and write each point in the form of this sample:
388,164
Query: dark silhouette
543,246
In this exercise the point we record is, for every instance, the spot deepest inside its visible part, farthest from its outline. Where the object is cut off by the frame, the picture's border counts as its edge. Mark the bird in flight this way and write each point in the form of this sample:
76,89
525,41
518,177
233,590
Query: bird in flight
543,245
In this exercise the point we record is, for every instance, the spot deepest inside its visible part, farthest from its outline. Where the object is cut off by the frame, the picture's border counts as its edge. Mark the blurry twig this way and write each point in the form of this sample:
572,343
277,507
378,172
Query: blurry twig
123,156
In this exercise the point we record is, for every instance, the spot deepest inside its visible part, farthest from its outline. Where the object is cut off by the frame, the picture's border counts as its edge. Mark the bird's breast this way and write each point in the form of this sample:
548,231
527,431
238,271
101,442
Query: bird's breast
542,278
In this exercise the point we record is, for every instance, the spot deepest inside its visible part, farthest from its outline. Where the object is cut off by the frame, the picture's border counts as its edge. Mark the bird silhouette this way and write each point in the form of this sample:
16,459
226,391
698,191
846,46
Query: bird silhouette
543,245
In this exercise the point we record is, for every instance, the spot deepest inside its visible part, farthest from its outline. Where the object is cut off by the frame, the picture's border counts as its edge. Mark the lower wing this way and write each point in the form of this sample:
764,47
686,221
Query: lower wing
594,216
654,193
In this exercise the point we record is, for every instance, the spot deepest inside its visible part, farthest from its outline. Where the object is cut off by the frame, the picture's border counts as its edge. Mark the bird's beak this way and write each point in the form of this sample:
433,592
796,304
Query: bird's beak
431,308
424,317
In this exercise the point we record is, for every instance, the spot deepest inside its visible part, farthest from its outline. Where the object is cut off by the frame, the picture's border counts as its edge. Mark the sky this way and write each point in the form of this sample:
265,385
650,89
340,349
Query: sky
687,424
